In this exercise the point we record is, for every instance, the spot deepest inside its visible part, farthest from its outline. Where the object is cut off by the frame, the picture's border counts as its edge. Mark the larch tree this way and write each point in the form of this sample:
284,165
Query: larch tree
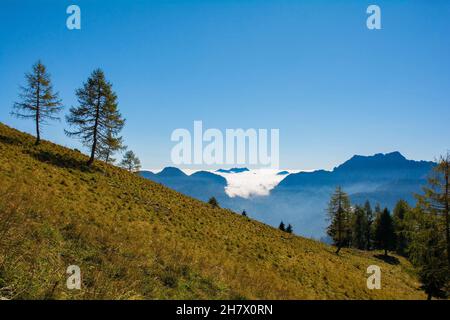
37,99
213,202
399,216
428,233
96,120
108,146
384,232
289,228
130,162
426,250
339,213
436,199
433,271
359,228
370,219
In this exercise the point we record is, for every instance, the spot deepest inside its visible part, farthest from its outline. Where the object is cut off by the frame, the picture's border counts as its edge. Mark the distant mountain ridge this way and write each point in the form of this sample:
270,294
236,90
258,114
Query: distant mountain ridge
301,198
201,184
376,168
171,172
380,178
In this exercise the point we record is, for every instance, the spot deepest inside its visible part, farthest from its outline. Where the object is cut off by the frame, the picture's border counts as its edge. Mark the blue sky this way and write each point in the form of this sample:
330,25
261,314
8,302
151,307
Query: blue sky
310,68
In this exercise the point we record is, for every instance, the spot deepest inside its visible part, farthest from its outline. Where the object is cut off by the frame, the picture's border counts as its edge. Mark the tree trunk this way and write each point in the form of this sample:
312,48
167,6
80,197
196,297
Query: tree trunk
339,217
447,225
38,113
94,146
38,136
94,143
368,238
429,296
385,253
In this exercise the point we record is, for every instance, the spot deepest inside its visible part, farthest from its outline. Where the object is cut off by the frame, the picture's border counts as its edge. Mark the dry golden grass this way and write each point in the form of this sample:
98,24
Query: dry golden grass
135,239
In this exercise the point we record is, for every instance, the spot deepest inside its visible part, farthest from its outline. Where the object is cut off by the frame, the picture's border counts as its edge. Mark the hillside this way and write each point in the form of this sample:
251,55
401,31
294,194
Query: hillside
136,239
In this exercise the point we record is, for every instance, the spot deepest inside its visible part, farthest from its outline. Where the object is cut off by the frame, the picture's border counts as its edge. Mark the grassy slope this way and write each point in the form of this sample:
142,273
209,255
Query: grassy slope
134,238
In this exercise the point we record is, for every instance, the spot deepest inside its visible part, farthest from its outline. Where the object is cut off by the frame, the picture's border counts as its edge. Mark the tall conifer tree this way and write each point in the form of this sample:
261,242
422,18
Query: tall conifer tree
369,217
96,118
130,162
436,199
399,216
340,218
384,232
38,101
359,228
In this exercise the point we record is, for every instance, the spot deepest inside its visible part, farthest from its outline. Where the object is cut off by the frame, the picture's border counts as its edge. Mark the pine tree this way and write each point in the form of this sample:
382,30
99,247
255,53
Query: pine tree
97,116
282,226
436,200
108,146
426,250
38,102
289,228
399,216
428,233
244,213
433,273
376,214
359,229
130,162
213,202
369,218
339,214
384,232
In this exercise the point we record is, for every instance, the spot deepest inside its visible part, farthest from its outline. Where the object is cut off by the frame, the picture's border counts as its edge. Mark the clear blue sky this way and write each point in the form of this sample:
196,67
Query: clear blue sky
310,68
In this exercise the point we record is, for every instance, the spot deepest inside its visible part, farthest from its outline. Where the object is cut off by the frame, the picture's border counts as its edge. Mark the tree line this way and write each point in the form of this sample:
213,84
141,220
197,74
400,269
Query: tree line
419,233
95,121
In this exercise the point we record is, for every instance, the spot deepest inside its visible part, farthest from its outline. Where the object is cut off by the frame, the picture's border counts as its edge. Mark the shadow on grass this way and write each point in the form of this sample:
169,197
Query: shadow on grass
61,160
388,259
10,140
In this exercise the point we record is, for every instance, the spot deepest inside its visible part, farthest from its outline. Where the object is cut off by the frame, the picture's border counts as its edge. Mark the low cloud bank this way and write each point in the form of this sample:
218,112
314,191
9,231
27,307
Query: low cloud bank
251,183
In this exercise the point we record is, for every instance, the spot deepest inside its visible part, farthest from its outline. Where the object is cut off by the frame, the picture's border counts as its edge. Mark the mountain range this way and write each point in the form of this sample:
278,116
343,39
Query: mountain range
301,198
200,185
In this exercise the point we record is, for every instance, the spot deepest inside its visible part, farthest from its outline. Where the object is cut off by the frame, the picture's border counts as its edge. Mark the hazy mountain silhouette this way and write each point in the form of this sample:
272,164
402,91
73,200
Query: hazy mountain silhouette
171,172
147,174
201,185
301,198
378,168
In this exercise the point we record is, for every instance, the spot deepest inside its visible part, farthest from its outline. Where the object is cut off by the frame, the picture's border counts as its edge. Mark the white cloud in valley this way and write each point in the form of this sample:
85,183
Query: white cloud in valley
256,182
251,183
